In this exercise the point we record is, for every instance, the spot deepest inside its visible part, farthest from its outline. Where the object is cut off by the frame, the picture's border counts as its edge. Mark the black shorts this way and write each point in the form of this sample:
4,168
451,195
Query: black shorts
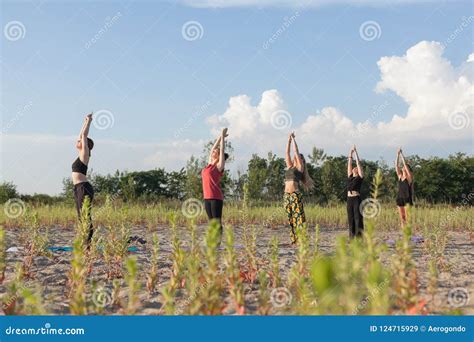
401,202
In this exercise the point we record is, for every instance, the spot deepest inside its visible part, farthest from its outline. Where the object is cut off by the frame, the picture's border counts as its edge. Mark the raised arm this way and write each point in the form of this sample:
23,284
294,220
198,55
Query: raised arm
221,163
216,144
297,154
349,163
84,153
397,164
359,167
81,133
405,167
85,127
289,163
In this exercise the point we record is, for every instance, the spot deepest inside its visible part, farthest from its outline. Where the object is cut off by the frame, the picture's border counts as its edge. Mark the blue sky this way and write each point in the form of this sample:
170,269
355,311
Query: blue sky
153,80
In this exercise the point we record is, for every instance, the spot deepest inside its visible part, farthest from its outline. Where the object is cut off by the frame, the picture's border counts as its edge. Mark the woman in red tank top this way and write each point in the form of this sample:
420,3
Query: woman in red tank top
211,179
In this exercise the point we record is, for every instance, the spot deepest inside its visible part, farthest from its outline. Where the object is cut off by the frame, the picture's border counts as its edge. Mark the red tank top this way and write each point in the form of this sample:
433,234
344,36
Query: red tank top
211,182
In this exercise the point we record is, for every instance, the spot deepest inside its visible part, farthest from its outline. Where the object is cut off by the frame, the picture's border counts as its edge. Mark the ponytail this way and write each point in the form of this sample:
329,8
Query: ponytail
307,181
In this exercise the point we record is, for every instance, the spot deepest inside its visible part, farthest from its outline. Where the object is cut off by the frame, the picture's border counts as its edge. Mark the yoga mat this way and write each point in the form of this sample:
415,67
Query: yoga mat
69,249
414,239
187,249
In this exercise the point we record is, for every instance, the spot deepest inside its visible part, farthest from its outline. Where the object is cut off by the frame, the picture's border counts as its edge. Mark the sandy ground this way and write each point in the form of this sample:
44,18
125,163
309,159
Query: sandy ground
52,273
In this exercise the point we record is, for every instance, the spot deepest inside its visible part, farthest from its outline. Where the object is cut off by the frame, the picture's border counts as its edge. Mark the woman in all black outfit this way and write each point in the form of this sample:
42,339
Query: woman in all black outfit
354,182
82,187
405,186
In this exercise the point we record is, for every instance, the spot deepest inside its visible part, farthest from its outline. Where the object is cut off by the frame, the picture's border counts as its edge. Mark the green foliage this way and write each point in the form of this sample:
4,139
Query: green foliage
193,187
452,175
7,191
298,278
41,199
115,248
250,246
77,279
404,272
257,176
152,277
264,179
317,156
333,178
316,241
263,294
178,255
233,273
275,177
133,285
21,298
37,241
210,295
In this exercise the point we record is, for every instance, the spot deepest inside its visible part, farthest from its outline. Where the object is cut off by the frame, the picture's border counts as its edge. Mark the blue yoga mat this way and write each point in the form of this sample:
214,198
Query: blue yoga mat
69,249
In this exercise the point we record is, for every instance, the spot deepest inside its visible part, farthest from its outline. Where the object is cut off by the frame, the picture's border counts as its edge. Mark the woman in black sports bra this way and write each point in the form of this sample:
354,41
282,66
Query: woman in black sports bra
405,186
82,187
354,182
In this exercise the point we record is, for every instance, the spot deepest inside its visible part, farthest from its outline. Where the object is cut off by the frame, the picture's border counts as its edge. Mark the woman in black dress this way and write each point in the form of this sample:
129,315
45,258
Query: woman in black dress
405,186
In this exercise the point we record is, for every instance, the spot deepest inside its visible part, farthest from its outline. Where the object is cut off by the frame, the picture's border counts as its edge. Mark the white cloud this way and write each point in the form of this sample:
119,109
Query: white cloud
433,89
428,83
245,119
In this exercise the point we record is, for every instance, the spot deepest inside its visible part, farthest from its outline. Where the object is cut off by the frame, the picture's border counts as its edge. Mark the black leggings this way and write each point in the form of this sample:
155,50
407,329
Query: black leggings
214,209
81,190
356,220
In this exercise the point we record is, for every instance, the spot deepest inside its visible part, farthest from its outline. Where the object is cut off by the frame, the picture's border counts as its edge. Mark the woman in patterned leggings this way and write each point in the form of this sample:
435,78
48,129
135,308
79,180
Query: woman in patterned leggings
295,174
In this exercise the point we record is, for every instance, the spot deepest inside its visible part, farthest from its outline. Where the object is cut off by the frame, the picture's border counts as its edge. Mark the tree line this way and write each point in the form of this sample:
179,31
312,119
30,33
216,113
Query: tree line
437,180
